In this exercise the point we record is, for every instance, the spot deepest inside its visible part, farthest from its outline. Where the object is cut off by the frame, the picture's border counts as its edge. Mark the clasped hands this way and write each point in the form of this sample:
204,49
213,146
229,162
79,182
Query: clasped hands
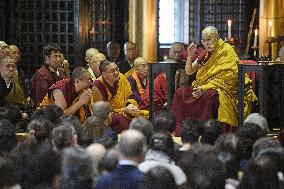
197,92
131,109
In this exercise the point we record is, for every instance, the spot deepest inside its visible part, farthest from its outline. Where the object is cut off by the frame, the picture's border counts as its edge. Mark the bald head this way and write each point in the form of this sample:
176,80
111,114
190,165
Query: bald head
210,30
97,151
130,51
141,67
175,50
132,143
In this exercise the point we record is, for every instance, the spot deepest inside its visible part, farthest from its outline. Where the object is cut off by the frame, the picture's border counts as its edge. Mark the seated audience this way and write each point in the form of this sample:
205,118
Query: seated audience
164,122
211,130
90,57
115,89
49,73
263,144
139,80
126,65
126,175
160,154
7,174
214,94
4,49
259,120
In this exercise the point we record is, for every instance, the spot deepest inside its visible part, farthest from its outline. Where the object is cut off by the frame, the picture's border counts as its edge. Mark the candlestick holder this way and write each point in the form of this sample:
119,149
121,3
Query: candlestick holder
255,52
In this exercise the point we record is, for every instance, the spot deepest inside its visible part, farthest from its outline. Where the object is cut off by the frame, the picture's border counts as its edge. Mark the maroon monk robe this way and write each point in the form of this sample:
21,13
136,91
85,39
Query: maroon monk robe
184,105
119,122
160,93
42,80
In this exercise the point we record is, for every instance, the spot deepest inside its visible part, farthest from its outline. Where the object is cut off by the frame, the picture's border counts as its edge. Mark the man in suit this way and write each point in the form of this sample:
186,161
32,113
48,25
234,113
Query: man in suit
126,65
132,149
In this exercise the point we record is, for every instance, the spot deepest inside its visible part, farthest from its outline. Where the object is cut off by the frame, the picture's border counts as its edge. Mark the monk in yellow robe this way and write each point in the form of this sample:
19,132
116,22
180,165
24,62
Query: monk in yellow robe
214,92
116,90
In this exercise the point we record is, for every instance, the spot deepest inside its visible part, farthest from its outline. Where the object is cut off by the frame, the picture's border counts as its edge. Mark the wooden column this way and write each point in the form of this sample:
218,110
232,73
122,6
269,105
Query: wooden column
143,27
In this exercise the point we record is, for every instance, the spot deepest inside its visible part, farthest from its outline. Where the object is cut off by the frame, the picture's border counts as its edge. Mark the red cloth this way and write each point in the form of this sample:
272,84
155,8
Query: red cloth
67,87
42,80
203,108
160,93
119,123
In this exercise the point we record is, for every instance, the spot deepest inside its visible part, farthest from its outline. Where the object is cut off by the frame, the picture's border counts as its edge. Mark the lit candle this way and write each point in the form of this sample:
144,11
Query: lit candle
229,29
255,38
270,29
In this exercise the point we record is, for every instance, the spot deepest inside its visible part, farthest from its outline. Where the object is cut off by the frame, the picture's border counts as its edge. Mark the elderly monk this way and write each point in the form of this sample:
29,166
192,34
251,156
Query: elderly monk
17,94
95,64
214,92
90,56
73,95
4,49
116,90
139,79
49,73
7,66
126,65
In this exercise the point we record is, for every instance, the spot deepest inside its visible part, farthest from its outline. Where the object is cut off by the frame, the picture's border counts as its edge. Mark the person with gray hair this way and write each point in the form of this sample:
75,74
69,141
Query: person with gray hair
259,120
7,67
132,147
144,126
213,94
139,79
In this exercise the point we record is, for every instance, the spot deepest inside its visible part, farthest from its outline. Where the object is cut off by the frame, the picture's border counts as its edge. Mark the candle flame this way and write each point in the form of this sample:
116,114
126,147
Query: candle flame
270,23
229,22
255,32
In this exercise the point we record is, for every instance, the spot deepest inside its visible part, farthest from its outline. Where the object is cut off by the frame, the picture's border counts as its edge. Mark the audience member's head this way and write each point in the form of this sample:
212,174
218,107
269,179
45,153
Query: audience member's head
82,78
109,71
7,67
227,143
52,113
97,152
74,122
190,131
264,143
211,131
7,136
103,111
164,121
163,142
63,136
259,120
109,162
12,113
144,126
265,170
158,177
77,169
175,50
247,135
132,145
106,141
92,128
41,129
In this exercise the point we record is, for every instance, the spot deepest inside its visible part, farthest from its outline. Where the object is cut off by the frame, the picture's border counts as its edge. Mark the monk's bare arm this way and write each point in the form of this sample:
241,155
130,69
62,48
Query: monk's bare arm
61,102
191,65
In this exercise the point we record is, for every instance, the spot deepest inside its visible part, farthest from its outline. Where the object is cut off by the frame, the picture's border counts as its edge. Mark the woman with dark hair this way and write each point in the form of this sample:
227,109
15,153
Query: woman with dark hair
64,136
159,154
77,169
158,177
